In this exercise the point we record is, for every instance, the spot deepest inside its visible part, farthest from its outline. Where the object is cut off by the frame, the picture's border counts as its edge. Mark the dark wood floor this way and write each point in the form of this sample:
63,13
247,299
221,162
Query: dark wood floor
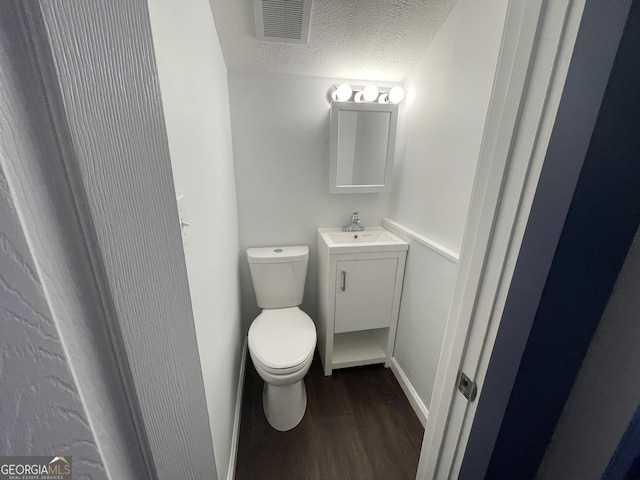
358,425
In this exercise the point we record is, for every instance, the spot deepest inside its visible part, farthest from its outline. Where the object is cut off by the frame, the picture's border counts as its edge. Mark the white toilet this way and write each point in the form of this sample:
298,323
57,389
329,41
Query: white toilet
282,338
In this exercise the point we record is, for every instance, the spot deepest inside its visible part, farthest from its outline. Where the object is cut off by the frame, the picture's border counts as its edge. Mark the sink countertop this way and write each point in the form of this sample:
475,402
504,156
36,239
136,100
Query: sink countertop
372,239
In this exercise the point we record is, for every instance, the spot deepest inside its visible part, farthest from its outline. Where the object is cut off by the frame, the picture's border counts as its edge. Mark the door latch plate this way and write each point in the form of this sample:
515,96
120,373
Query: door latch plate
467,387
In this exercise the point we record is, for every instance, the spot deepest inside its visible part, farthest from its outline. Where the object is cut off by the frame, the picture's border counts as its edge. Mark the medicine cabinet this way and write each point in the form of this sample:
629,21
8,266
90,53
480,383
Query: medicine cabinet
362,146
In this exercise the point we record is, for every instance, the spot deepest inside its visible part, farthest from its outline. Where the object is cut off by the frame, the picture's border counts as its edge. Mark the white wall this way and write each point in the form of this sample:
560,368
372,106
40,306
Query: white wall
442,122
447,97
426,297
280,127
193,81
605,394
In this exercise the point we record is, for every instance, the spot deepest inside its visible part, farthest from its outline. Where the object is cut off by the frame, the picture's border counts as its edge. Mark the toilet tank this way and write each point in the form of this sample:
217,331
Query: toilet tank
278,275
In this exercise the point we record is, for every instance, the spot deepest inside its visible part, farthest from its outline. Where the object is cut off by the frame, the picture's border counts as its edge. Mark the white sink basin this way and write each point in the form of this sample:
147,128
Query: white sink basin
372,239
367,236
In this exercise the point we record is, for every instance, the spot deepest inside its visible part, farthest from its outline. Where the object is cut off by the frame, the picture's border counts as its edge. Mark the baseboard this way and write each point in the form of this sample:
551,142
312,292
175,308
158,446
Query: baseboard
410,392
235,437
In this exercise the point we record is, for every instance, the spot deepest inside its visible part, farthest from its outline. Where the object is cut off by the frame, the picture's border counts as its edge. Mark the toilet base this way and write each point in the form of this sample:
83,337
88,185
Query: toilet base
284,405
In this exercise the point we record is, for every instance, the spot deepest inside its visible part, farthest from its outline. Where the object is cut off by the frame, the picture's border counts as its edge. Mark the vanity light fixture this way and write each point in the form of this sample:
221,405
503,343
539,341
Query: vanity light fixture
344,92
340,93
368,94
395,95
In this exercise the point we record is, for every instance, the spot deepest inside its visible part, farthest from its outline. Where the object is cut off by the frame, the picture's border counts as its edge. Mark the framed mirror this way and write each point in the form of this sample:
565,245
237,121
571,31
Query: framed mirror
362,146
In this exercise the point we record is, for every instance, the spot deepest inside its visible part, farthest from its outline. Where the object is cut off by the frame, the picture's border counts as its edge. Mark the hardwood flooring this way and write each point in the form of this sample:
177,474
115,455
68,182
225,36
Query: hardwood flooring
358,426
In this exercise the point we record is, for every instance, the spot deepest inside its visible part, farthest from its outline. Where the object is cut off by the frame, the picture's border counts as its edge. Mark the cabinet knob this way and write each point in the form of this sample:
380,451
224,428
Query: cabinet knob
343,285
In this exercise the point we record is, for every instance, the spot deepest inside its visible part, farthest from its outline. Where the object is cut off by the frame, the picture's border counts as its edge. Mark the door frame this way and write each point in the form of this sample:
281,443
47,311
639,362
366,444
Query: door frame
113,170
503,192
601,25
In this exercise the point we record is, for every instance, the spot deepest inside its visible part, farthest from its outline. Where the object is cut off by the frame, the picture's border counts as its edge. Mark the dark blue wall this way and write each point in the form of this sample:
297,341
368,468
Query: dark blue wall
602,220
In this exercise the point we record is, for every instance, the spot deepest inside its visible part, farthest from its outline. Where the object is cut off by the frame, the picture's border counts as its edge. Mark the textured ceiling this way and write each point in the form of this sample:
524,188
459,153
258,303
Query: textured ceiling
352,39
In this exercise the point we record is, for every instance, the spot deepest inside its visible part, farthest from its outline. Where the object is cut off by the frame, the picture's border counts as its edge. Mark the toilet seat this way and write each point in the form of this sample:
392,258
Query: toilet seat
282,371
281,340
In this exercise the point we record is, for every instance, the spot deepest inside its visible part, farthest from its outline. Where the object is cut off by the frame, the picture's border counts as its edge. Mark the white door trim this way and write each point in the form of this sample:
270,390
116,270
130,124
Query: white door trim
118,176
487,243
576,97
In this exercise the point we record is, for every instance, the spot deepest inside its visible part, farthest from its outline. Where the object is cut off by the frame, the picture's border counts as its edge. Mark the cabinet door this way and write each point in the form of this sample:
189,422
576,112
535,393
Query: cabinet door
364,294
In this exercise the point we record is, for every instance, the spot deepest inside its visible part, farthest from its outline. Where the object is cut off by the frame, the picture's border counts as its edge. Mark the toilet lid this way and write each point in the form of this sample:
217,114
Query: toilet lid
282,338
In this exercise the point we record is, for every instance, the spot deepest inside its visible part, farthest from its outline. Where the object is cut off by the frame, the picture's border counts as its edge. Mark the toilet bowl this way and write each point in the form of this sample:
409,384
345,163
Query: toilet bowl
282,338
281,345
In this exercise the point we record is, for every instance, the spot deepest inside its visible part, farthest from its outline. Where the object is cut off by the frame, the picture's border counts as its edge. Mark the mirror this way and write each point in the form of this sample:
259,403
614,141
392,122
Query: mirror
363,137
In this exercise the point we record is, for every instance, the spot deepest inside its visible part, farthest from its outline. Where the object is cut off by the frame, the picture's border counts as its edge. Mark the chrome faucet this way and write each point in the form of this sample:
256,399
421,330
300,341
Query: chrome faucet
355,225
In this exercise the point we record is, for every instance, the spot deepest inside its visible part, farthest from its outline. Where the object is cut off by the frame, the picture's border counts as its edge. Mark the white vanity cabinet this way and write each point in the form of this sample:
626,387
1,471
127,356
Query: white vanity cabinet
359,292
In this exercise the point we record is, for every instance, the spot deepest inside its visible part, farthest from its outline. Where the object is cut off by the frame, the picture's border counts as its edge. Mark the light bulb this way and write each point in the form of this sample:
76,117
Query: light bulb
343,92
358,97
396,94
384,98
331,94
370,93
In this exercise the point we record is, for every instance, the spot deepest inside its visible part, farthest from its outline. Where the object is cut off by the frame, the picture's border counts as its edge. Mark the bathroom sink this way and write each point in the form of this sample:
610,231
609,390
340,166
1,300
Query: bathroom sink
367,236
372,239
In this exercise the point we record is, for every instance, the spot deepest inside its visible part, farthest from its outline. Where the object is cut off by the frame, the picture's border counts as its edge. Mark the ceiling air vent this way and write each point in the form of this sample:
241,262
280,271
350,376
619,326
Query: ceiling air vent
282,20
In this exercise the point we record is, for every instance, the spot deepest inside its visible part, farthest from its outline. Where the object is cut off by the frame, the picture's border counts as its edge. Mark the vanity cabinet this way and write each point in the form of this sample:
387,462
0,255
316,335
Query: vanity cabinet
359,300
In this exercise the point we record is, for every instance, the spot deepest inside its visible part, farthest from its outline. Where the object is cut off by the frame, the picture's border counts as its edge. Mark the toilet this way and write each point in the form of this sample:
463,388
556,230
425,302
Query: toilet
282,338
